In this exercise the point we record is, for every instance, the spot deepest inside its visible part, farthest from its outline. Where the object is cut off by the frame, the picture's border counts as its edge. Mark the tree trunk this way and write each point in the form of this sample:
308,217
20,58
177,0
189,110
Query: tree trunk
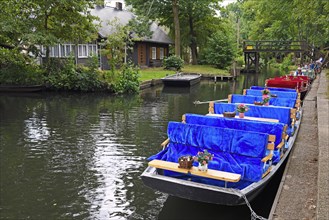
177,28
47,46
193,44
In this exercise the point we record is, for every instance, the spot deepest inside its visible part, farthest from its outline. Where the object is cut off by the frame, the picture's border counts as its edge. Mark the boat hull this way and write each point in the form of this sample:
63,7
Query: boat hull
152,178
33,88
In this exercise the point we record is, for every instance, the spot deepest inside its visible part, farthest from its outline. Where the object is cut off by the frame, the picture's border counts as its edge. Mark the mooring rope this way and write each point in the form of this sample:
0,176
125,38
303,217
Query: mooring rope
254,216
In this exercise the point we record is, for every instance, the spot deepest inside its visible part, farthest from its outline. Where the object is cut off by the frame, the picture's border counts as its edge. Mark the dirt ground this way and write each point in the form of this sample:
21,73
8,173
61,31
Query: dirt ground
298,197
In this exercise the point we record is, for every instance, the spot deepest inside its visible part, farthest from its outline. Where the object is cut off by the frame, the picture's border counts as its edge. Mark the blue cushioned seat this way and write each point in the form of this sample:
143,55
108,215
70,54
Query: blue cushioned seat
250,99
279,94
274,112
224,143
275,129
273,89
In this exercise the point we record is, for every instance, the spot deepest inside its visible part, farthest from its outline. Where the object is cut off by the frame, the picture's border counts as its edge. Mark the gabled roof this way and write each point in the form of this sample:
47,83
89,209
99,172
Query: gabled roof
108,14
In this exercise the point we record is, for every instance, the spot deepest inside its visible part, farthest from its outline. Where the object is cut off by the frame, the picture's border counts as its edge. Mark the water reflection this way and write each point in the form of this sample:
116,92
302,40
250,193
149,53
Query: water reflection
80,156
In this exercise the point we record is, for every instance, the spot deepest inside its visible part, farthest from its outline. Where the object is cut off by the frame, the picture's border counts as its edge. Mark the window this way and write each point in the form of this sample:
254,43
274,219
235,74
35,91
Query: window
54,51
92,50
67,50
154,53
82,50
161,53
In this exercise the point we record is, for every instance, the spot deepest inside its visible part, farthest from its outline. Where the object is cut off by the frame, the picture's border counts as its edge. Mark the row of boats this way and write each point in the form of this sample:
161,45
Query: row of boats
246,153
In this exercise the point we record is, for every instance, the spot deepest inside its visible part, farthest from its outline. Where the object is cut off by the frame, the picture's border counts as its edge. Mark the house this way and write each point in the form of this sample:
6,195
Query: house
148,52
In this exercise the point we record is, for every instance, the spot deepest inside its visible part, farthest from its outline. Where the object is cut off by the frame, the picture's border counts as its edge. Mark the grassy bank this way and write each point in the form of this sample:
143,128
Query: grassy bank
157,73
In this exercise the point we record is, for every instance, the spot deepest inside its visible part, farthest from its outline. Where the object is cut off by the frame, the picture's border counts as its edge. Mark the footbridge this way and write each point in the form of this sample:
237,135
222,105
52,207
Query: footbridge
252,50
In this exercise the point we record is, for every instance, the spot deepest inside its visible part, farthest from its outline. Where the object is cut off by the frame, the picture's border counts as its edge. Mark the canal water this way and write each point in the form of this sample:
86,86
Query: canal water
80,156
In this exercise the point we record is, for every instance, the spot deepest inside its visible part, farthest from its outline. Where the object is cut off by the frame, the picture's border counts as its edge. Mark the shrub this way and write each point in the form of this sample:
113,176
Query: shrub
128,80
17,69
64,75
173,62
220,50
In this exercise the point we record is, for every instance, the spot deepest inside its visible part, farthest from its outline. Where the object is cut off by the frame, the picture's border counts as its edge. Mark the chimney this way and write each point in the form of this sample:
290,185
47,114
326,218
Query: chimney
118,6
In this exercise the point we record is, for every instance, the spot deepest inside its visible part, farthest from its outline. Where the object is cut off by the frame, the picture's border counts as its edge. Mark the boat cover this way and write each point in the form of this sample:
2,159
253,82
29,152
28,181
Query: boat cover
234,151
241,124
285,102
279,94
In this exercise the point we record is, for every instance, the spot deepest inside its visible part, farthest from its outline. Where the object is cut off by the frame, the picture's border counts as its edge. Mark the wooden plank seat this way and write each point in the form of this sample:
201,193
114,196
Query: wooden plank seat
212,174
250,99
235,151
283,114
276,131
248,118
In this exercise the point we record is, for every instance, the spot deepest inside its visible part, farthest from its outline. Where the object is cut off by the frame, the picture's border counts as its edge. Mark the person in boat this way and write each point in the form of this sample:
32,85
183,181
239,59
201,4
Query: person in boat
317,67
299,72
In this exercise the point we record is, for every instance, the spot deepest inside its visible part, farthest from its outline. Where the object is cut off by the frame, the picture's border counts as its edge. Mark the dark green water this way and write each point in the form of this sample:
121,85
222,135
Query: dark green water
80,156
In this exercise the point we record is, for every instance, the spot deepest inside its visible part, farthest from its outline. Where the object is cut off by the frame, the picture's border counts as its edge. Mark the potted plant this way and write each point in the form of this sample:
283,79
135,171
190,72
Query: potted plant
242,108
266,100
203,157
266,96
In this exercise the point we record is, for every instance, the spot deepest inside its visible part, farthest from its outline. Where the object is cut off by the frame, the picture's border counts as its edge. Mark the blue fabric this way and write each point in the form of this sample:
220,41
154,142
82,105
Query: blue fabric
273,89
279,94
242,144
290,131
253,167
219,139
273,101
280,113
239,124
276,156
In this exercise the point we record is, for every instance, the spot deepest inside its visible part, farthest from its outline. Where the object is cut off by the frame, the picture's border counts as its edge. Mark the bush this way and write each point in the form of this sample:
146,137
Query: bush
128,80
173,62
17,69
220,50
64,75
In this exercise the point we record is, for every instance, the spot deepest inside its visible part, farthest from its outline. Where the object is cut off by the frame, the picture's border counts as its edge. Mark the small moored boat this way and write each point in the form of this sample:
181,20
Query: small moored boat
181,79
14,88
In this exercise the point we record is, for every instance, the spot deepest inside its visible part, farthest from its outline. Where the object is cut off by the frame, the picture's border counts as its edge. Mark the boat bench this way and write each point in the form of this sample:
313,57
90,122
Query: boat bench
235,151
276,131
283,114
273,89
279,94
212,174
250,99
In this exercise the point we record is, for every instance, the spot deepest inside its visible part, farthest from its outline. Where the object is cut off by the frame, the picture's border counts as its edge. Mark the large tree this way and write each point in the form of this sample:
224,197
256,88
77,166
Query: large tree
28,23
285,20
189,21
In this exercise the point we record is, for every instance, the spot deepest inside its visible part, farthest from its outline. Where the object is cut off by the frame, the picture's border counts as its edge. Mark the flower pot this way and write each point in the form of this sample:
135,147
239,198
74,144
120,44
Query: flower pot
266,103
241,114
203,167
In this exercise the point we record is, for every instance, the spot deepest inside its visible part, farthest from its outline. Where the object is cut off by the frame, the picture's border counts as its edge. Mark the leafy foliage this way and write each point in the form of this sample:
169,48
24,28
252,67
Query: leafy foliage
128,80
64,75
14,69
220,50
28,23
173,62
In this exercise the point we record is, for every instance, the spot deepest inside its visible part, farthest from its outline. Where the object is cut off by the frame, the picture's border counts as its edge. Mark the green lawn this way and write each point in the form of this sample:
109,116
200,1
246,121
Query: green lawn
205,69
157,73
154,73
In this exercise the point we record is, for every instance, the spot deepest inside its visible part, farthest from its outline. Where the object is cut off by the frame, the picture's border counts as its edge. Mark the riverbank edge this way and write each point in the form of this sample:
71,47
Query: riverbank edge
322,205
